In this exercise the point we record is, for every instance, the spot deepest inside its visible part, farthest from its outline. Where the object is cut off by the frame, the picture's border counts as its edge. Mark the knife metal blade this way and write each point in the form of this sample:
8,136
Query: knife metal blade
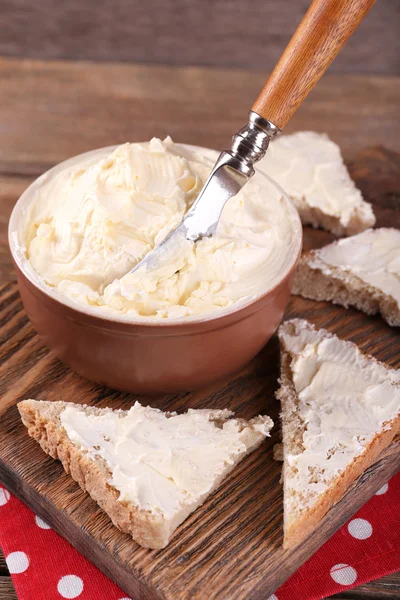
230,173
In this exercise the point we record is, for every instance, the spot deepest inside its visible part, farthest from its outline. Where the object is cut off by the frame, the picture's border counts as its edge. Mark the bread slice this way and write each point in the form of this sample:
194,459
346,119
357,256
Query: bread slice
340,409
361,271
310,168
148,470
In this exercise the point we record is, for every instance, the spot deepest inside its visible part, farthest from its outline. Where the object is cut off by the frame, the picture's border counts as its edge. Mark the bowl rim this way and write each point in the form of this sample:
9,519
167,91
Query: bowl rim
233,312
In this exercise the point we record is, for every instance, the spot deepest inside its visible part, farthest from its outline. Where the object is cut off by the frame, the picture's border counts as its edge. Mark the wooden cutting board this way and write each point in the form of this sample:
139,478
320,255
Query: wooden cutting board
231,547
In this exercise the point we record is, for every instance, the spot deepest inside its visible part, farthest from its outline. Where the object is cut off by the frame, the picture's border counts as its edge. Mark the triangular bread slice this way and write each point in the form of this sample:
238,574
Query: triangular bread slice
361,271
310,168
340,409
147,469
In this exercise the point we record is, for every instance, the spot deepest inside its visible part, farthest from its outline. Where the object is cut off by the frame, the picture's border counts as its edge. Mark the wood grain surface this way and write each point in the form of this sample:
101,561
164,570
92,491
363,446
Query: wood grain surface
321,35
386,588
239,529
7,591
51,111
233,33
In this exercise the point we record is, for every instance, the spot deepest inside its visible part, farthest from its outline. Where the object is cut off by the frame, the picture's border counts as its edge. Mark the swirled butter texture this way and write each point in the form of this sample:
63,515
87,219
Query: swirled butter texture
344,399
91,222
310,168
161,462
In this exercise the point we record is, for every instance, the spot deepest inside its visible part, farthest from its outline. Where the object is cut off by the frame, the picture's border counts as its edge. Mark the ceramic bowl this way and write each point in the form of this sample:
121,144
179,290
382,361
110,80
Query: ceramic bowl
151,357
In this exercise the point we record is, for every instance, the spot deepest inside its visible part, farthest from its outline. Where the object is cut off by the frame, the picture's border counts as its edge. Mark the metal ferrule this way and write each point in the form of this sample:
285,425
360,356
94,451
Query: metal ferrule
250,144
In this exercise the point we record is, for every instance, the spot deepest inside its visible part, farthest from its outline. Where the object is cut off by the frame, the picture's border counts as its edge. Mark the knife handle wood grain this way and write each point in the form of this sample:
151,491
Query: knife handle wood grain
323,31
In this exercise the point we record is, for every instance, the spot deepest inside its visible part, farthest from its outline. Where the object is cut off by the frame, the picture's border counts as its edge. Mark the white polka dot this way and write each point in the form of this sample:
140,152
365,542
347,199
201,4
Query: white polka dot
343,574
125,599
42,524
360,529
4,496
273,597
70,586
383,490
17,562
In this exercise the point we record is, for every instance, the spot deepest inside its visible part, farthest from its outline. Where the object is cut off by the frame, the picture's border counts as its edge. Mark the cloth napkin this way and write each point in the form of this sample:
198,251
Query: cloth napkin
44,566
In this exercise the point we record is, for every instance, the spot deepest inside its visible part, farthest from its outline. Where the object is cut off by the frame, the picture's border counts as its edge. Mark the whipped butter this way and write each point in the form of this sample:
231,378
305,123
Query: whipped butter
344,399
90,222
373,256
310,168
162,463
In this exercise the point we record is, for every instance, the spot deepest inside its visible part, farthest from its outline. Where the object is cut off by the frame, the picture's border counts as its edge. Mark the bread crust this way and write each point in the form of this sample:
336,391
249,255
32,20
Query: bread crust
92,476
349,213
303,523
149,529
314,216
312,282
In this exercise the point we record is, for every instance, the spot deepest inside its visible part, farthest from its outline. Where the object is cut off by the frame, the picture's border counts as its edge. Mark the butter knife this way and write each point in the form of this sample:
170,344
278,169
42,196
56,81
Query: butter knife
321,34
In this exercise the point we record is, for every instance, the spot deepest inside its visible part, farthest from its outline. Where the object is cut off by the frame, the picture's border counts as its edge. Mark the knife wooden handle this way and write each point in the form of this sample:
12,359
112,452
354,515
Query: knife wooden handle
325,28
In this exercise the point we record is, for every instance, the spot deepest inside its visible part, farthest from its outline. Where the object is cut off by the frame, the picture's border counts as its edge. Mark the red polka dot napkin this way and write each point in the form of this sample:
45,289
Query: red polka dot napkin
45,567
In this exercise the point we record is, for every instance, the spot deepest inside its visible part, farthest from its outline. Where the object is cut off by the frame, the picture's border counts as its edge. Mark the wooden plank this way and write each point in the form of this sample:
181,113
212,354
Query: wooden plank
212,32
7,591
386,588
232,546
3,566
59,109
383,191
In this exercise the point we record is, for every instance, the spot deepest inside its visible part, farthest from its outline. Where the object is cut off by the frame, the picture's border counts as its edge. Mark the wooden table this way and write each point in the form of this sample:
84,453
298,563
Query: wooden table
50,111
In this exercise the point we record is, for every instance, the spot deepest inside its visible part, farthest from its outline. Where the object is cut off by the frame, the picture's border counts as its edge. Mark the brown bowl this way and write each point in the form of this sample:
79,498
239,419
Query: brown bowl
150,357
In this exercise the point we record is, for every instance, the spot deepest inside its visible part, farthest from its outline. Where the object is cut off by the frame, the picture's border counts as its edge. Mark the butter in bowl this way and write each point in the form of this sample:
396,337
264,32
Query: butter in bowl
79,229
